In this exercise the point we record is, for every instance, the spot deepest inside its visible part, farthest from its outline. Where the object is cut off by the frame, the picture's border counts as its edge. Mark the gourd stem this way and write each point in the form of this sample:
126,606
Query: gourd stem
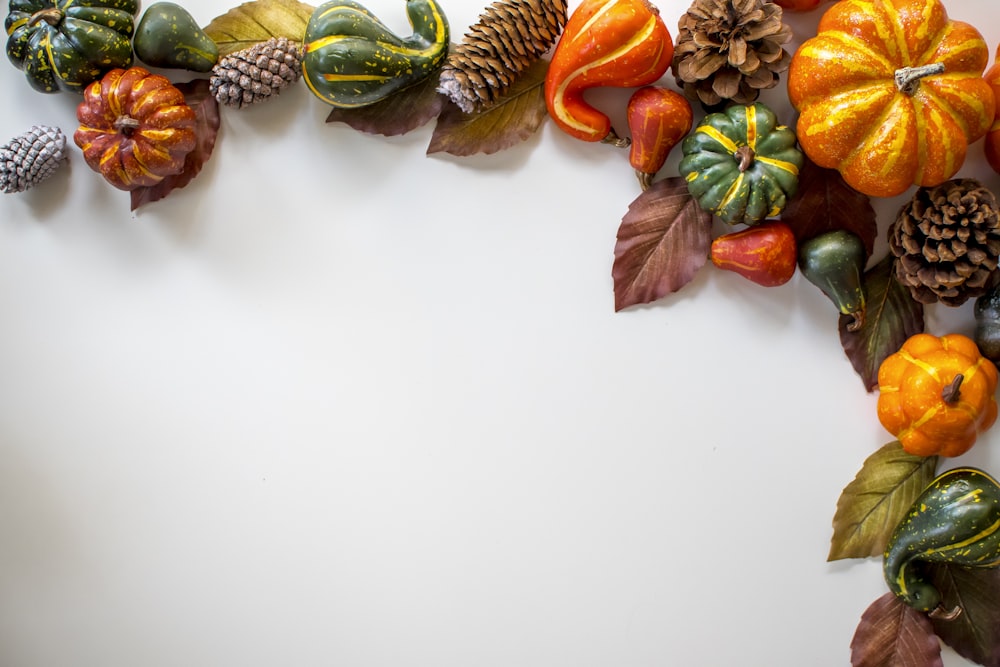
52,16
939,613
616,141
745,156
857,321
907,78
950,393
645,179
126,125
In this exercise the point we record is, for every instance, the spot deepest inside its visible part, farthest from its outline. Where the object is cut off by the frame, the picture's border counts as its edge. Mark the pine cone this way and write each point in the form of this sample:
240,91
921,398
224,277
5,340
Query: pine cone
509,37
730,50
947,241
257,73
28,159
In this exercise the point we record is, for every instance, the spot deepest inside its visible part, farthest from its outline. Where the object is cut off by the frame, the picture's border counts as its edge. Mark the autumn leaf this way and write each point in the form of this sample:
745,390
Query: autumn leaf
258,21
891,316
891,634
971,623
662,242
825,202
397,114
206,110
511,120
877,499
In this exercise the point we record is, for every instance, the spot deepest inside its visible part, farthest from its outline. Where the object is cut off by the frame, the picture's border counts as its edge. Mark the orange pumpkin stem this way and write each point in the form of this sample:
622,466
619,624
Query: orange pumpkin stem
907,78
950,393
126,125
745,156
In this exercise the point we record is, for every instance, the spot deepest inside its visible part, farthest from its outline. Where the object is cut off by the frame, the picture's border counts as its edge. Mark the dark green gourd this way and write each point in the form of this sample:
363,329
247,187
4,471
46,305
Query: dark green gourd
64,45
835,262
955,520
741,164
352,59
168,36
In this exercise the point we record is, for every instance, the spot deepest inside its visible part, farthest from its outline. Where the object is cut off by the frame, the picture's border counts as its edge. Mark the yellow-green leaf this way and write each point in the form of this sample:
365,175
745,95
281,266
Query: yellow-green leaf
258,21
877,499
513,118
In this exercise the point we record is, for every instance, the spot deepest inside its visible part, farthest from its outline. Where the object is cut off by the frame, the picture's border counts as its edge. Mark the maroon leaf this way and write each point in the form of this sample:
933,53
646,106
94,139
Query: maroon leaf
971,623
397,114
891,316
207,121
825,202
509,121
891,634
662,242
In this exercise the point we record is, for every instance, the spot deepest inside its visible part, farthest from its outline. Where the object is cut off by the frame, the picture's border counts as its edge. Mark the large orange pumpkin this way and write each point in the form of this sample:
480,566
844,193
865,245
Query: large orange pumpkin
937,394
135,128
890,93
992,143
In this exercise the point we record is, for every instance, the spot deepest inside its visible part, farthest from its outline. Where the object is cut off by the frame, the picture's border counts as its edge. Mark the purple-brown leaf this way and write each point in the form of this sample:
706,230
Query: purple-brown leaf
508,122
892,634
207,121
825,202
974,632
891,316
662,242
397,114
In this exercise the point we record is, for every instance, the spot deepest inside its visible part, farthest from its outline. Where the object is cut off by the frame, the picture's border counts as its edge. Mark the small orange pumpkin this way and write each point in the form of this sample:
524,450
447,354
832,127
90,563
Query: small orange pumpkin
890,93
135,128
936,394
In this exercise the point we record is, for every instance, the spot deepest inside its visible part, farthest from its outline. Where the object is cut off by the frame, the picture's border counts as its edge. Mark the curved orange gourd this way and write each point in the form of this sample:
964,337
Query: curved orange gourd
890,93
621,43
937,394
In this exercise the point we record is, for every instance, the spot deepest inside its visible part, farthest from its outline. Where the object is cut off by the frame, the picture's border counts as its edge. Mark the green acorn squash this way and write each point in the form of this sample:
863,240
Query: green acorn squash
955,520
64,45
741,165
351,59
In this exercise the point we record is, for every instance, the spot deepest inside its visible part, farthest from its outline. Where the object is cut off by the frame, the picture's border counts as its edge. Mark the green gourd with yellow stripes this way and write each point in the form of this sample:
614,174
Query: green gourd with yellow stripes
741,165
955,520
352,59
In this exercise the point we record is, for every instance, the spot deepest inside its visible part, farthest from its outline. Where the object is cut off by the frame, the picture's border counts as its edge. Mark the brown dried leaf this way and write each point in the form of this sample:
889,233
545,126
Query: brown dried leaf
397,114
825,202
207,121
891,634
258,21
877,499
662,242
975,632
514,118
891,316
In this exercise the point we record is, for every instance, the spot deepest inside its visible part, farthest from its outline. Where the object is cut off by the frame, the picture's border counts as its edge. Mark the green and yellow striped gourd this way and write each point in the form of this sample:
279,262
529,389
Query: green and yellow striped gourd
955,520
741,164
352,59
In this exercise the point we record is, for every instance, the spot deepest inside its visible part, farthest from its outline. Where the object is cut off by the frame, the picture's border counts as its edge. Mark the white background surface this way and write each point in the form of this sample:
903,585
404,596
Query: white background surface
341,403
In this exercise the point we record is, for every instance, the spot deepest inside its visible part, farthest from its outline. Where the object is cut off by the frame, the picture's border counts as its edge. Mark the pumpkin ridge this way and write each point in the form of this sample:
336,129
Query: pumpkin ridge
882,128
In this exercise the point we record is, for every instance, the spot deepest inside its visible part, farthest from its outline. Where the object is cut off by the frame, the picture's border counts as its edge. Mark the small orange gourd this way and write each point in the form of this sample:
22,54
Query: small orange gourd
936,394
890,93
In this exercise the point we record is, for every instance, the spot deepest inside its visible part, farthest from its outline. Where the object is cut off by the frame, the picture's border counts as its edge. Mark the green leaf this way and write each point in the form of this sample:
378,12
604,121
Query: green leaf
877,499
198,96
825,202
511,120
891,316
258,21
891,633
662,242
397,114
970,623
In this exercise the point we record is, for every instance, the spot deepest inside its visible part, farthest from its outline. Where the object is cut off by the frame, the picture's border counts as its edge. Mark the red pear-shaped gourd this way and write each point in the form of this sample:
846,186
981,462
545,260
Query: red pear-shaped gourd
765,254
658,118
